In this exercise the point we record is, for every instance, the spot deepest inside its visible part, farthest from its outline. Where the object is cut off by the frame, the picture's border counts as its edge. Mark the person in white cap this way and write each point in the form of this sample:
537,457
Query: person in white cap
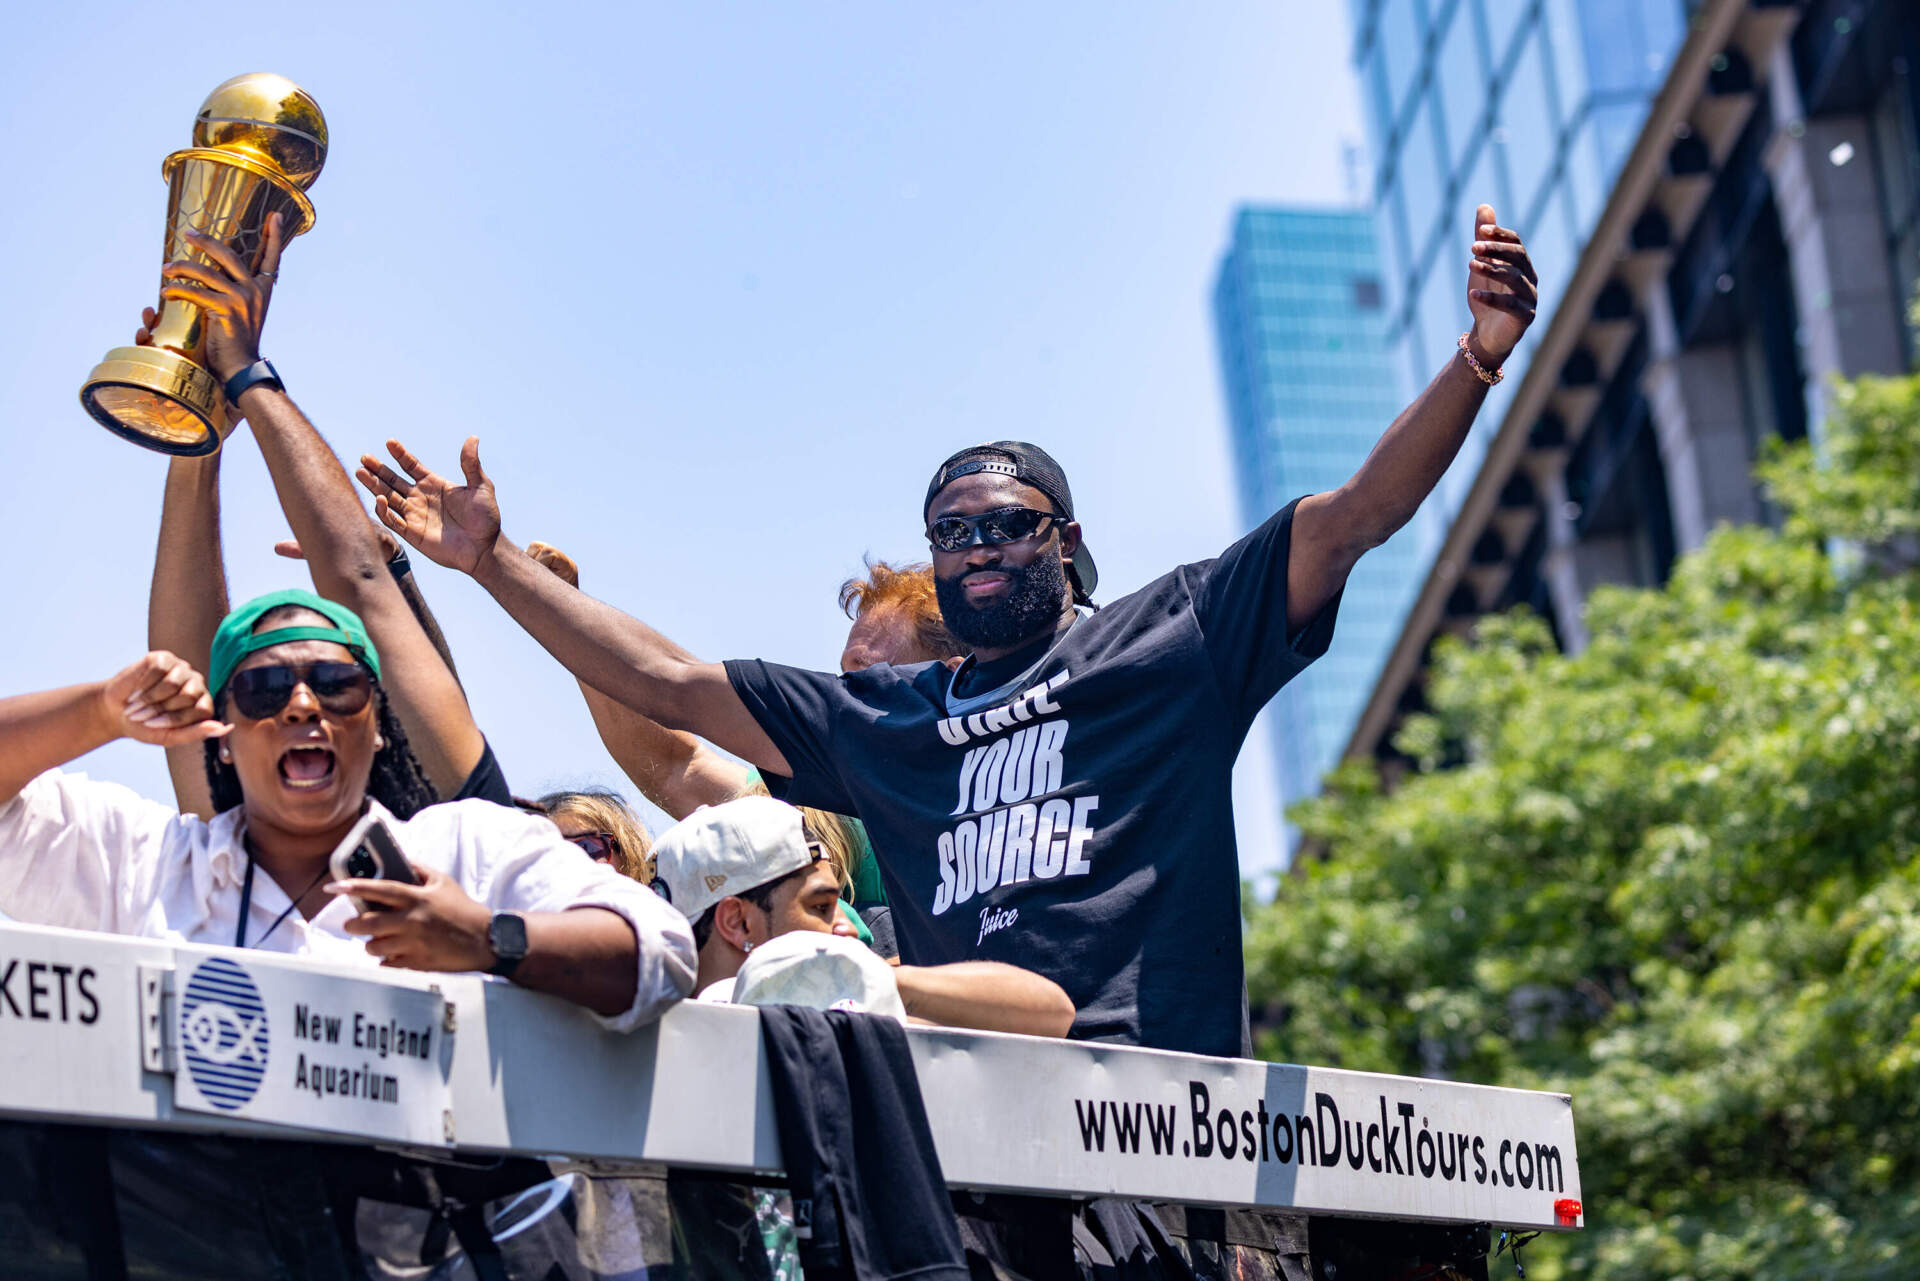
745,874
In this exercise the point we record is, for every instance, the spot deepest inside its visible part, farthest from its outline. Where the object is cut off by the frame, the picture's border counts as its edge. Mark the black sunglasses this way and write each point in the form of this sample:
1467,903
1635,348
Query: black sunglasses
344,689
598,845
1003,525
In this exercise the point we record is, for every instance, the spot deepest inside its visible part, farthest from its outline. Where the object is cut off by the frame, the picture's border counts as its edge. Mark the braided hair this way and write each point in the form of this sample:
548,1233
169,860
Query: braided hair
396,780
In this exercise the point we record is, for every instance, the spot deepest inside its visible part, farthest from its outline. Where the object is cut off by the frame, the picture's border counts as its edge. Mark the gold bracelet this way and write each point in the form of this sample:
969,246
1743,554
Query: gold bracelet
1479,370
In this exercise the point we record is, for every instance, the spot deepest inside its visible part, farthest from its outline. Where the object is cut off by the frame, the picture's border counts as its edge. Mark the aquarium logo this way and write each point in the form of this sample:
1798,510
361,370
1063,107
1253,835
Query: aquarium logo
223,1032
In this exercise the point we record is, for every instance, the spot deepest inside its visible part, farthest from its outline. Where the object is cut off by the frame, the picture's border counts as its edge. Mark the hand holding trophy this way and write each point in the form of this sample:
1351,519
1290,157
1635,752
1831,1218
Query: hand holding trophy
259,142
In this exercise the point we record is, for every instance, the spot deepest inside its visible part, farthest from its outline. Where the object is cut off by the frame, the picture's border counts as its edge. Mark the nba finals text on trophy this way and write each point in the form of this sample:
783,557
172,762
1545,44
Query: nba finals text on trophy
258,144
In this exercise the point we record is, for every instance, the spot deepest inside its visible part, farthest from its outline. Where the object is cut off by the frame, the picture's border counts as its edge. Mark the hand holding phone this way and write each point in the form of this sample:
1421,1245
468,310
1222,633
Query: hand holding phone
410,915
370,852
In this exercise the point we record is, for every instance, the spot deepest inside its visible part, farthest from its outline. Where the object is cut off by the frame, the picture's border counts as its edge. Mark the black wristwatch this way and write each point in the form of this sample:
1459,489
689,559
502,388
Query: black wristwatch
507,936
260,371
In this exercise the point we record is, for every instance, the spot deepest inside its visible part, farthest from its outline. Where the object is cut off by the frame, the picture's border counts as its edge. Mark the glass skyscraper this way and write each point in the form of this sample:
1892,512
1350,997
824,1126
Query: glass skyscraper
1304,360
1328,322
1527,105
1758,163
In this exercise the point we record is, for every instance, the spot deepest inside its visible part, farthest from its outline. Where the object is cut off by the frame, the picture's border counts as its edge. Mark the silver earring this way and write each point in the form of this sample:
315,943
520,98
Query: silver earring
746,945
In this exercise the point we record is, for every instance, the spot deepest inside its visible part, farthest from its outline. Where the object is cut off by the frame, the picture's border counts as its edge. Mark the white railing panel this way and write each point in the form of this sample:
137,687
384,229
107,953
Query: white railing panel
512,1071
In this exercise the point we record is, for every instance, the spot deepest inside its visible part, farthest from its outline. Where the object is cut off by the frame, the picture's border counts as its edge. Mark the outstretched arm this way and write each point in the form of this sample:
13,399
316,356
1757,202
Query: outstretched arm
159,699
343,549
986,995
459,526
672,768
1332,530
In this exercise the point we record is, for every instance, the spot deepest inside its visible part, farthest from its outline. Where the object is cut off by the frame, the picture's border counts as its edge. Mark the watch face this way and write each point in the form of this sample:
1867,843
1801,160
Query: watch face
508,935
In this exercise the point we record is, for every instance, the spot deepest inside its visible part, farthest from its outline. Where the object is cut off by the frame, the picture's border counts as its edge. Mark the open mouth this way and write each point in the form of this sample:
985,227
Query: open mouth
307,768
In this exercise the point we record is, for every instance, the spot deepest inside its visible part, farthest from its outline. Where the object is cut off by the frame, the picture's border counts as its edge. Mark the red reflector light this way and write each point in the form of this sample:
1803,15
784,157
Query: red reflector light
1566,1208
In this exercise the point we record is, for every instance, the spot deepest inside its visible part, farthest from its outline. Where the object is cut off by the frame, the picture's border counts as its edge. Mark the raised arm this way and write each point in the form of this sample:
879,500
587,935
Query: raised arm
1333,529
189,598
402,571
343,549
459,526
986,995
672,768
159,699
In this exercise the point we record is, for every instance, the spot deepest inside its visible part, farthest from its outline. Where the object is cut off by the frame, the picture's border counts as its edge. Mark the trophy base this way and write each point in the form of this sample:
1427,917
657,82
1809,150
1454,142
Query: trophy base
159,399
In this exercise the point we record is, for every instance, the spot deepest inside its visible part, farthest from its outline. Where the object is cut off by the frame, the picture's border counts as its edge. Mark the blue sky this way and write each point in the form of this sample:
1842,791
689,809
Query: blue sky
716,285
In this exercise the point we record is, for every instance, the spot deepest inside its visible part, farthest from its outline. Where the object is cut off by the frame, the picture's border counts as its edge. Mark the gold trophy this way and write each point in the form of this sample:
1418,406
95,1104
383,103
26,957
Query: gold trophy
258,144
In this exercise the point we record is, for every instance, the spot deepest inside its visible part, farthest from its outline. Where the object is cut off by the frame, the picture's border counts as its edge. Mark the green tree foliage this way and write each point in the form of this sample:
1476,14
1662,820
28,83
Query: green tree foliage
1674,876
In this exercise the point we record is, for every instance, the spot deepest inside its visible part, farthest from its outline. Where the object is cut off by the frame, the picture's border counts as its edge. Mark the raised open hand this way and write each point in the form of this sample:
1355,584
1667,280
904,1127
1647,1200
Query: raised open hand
452,525
160,699
1502,288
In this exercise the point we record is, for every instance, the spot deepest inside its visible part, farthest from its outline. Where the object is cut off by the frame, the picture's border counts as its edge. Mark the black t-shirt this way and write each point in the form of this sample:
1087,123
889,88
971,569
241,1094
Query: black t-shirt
485,780
1078,822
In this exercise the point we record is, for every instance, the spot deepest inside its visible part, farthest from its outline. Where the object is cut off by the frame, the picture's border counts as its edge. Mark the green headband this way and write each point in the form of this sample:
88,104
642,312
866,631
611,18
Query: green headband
236,638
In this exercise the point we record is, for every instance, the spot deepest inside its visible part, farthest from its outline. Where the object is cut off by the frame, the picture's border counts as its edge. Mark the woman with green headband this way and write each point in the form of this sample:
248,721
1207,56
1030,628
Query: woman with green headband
331,532
393,778
300,745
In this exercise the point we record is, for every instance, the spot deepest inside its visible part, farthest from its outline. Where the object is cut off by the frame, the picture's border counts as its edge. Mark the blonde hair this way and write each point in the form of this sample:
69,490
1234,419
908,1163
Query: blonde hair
598,810
836,840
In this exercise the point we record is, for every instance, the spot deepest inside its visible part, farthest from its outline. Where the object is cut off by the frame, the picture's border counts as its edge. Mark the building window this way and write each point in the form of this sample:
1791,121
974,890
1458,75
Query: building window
1630,42
1586,182
1616,127
1503,21
1464,83
1396,257
1528,129
1403,38
1423,180
1373,78
1562,21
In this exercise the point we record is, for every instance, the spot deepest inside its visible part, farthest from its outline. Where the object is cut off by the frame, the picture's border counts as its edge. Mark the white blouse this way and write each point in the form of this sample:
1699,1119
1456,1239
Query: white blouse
90,855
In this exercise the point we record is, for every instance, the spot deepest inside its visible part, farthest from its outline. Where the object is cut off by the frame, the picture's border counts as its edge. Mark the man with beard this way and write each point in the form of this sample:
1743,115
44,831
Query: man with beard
1062,801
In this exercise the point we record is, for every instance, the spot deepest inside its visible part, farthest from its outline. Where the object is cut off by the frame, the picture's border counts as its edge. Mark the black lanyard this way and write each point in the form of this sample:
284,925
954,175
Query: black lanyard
246,905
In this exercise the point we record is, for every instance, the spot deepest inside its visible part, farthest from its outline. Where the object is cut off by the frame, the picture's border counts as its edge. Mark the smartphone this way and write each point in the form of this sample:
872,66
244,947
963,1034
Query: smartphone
371,853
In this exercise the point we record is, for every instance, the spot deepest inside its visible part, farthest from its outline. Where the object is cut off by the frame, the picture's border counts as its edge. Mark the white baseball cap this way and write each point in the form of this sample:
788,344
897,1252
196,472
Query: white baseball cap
719,850
824,971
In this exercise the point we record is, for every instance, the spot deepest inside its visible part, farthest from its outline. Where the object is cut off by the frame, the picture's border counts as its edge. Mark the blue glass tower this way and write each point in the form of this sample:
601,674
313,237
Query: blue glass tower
1528,105
1309,389
1752,257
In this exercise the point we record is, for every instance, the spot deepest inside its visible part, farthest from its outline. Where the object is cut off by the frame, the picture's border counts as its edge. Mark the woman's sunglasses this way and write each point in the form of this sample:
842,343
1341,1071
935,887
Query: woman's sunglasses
343,689
598,845
1004,525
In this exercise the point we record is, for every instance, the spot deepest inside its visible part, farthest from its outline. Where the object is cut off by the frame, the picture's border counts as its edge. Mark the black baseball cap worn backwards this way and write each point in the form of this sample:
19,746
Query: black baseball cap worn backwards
1030,465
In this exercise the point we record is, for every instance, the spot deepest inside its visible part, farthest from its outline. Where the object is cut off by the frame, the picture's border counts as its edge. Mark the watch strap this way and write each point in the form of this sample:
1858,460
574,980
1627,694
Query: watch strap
507,936
260,371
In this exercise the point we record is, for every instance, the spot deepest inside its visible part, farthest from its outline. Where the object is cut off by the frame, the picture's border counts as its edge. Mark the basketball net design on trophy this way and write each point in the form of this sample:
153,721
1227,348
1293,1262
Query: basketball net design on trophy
258,143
